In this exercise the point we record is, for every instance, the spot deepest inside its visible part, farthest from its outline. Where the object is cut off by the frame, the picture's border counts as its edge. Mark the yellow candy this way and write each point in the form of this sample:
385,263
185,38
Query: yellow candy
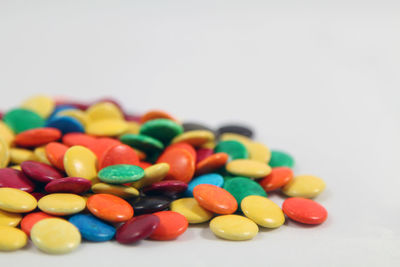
233,227
76,114
16,167
248,168
117,190
235,137
62,204
55,236
41,104
9,219
133,127
258,152
189,208
6,134
19,155
4,154
15,200
152,174
140,154
12,238
262,211
80,162
40,154
210,145
306,186
104,111
110,127
195,137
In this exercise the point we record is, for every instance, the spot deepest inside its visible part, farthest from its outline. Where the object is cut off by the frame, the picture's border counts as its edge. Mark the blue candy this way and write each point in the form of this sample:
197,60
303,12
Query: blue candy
210,178
91,228
65,124
60,108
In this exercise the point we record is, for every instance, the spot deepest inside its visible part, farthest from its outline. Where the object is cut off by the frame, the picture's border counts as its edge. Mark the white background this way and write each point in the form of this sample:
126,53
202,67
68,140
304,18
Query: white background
319,79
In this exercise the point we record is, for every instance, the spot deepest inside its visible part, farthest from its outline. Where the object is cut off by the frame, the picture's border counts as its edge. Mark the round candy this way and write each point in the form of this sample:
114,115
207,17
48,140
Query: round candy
19,155
55,236
65,124
4,154
233,227
304,210
258,152
248,168
119,154
156,114
75,185
133,127
15,179
6,133
40,172
78,139
262,211
150,204
137,228
181,162
117,190
306,186
191,126
77,114
234,149
109,127
58,109
169,187
31,219
102,145
20,120
37,137
237,129
278,177
211,163
55,153
41,104
144,143
80,162
241,187
189,148
12,238
161,129
110,208
104,111
91,228
62,204
192,211
211,178
40,154
203,153
9,219
172,225
15,200
215,199
152,174
122,173
281,159
195,138
235,137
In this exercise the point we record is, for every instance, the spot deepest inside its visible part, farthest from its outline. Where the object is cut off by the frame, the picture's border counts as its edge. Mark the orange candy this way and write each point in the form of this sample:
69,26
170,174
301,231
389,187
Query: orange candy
211,163
29,220
215,199
172,224
37,137
102,145
55,154
181,163
110,208
78,139
278,177
185,146
156,114
119,154
144,164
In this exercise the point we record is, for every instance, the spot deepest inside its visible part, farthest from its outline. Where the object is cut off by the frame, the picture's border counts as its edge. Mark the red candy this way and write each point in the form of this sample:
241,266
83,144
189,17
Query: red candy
211,163
189,148
78,139
172,225
37,137
75,185
278,177
137,228
181,164
55,154
169,187
31,219
203,153
40,172
15,179
304,210
102,145
119,154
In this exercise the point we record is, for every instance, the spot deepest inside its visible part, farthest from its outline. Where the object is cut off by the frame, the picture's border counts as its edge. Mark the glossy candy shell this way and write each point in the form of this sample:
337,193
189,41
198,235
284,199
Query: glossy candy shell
91,228
40,172
172,225
15,179
110,208
75,185
304,210
31,219
233,227
215,199
137,228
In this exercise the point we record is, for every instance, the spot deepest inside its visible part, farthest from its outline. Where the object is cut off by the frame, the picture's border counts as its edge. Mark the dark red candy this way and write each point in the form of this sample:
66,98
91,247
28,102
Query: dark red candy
40,172
75,185
137,228
15,179
203,153
38,195
150,204
167,187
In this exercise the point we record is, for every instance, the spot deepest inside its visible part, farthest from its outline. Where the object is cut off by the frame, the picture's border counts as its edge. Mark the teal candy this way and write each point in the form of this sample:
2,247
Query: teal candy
20,120
121,173
241,187
234,149
161,129
142,142
210,178
281,159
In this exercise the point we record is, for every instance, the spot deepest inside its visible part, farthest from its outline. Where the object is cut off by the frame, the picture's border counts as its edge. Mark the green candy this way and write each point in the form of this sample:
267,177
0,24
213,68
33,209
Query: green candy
234,149
20,120
241,187
121,173
162,129
281,159
144,143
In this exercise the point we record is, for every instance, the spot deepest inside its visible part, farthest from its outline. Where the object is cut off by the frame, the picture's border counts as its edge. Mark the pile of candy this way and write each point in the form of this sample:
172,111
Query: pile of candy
70,171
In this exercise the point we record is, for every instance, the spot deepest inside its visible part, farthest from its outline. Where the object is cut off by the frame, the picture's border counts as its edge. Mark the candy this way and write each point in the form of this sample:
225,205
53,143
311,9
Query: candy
191,209
156,114
6,134
109,208
233,227
9,219
210,178
55,153
172,225
169,188
211,163
4,154
144,143
104,111
12,238
40,172
241,187
161,129
20,120
304,210
109,127
215,199
237,129
234,149
119,154
62,204
152,174
306,186
137,228
19,155
75,185
41,104
150,204
80,162
117,190
248,168
258,152
181,162
281,159
55,236
91,228
262,211
15,179
195,138
203,153
15,200
65,124
278,177
120,174
31,219
190,126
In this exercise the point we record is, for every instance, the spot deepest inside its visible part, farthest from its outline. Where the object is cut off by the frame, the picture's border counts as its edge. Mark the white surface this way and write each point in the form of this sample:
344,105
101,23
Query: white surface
316,78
